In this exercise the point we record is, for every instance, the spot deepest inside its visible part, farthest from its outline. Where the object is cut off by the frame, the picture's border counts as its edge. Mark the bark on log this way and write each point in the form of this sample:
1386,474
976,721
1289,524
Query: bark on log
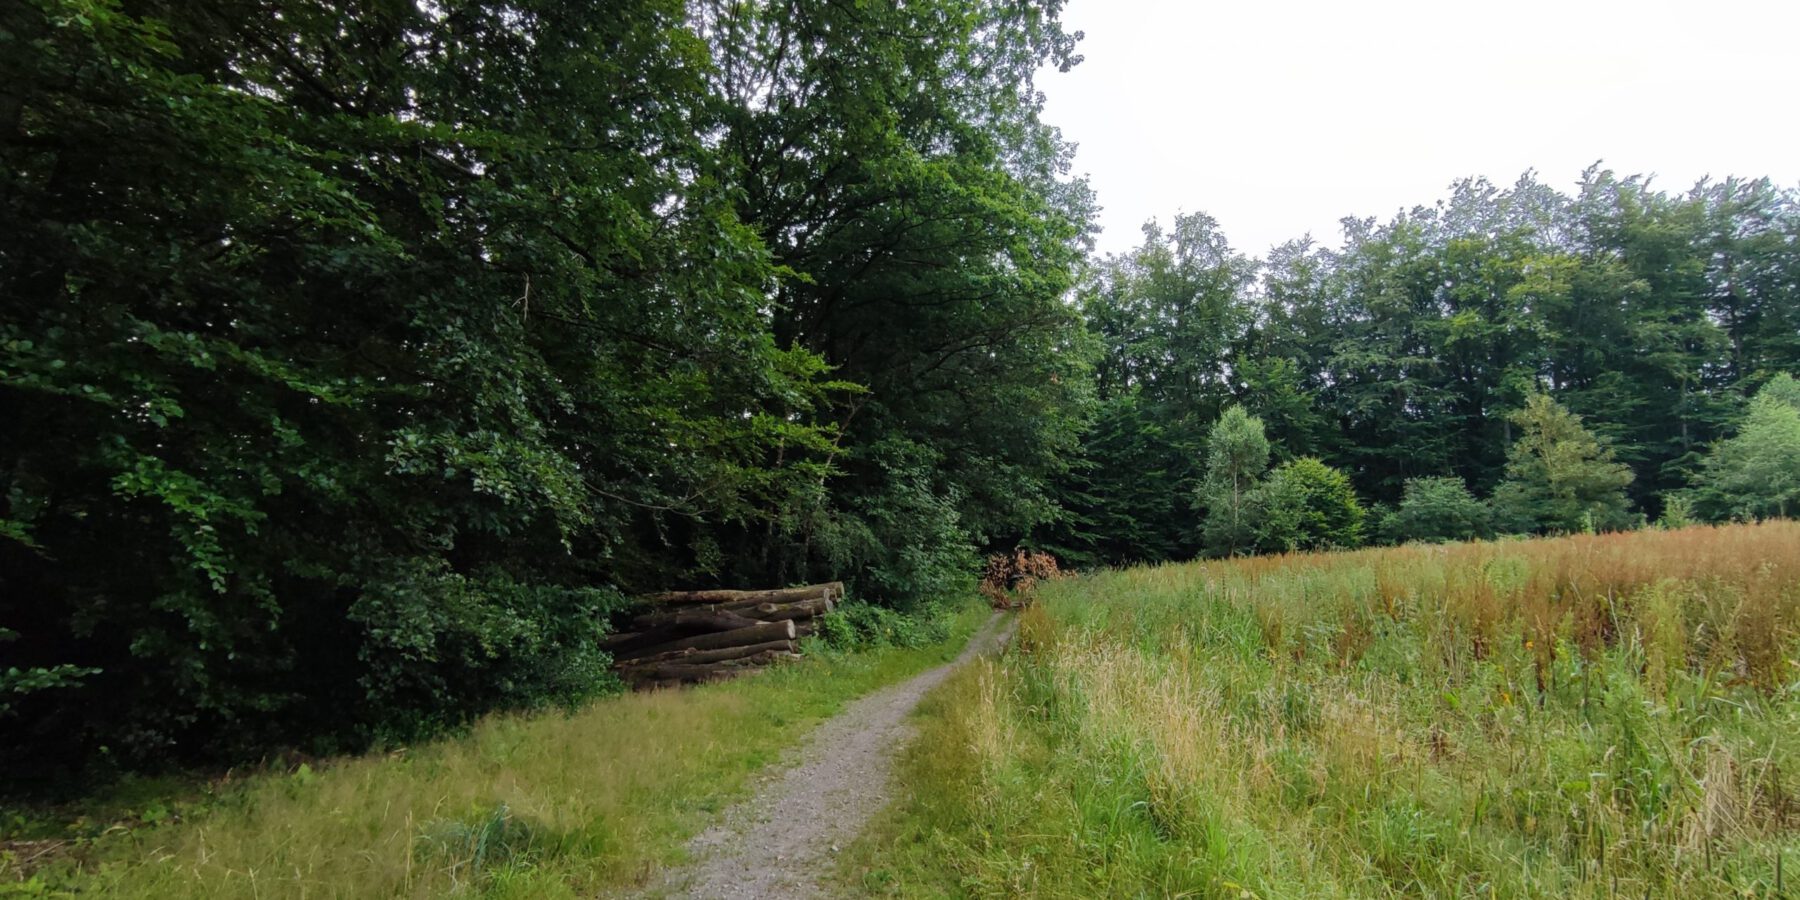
805,609
834,589
662,628
694,620
689,655
752,607
627,642
621,662
760,633
806,628
741,607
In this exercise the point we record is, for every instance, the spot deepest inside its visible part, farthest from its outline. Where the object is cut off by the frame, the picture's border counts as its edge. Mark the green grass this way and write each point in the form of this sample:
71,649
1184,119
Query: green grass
539,805
1611,716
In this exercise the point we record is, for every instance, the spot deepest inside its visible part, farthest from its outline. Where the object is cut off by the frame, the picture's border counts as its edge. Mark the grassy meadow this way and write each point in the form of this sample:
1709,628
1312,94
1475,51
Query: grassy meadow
1592,716
540,805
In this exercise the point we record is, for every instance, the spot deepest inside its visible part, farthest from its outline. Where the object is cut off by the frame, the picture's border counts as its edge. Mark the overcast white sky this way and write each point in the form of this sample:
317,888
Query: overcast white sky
1279,118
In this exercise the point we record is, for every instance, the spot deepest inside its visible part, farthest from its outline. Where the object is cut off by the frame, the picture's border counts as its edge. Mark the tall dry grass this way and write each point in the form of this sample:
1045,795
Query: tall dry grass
1595,716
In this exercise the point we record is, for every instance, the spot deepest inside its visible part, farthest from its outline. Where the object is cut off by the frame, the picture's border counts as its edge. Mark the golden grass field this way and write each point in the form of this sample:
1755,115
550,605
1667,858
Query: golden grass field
1592,716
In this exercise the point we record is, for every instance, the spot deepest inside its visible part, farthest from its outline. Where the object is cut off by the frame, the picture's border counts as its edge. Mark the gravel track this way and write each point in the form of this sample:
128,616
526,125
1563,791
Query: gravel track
779,842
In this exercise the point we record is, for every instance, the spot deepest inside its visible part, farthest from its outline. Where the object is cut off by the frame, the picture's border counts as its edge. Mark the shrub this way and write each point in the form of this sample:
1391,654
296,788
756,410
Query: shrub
442,647
1438,509
864,626
1678,512
1756,473
905,534
1308,505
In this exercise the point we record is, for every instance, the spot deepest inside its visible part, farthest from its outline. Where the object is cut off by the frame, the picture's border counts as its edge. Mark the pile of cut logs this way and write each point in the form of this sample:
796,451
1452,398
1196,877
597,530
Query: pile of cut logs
688,637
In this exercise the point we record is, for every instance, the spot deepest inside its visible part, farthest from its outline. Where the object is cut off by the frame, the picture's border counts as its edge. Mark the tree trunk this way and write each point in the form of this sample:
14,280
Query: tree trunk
626,642
760,633
618,638
691,656
834,589
694,620
775,612
728,668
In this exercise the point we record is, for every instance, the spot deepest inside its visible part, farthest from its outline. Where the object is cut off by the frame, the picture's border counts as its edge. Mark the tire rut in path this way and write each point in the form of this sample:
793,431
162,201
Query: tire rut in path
779,842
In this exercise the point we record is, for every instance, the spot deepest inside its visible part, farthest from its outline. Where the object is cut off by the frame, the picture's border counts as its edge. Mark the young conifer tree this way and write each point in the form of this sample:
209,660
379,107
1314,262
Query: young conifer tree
1560,477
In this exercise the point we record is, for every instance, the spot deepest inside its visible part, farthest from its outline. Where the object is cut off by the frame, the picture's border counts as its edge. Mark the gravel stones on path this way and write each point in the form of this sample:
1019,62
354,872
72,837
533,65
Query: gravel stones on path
779,842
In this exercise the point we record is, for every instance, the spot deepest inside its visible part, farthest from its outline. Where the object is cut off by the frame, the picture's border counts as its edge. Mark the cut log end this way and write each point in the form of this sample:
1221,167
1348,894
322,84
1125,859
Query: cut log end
703,636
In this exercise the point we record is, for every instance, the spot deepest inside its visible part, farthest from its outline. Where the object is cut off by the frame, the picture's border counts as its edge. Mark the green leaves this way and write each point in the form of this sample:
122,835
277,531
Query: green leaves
891,159
1308,505
1560,478
364,360
1237,454
360,362
1756,473
25,681
201,511
1437,509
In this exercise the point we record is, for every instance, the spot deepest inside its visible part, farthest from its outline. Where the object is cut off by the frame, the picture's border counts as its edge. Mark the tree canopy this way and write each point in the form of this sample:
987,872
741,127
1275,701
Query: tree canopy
1407,351
1310,506
360,360
1437,509
1756,472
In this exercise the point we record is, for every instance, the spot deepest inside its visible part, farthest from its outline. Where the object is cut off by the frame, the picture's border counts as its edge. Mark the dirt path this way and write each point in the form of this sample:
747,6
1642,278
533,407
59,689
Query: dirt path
779,842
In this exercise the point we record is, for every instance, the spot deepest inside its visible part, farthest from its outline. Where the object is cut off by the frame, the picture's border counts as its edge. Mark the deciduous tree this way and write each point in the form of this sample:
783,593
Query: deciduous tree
1756,472
1237,455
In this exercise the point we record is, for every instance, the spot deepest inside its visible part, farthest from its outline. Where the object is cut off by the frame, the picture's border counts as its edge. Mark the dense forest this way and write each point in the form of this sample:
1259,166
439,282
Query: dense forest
1411,354
357,363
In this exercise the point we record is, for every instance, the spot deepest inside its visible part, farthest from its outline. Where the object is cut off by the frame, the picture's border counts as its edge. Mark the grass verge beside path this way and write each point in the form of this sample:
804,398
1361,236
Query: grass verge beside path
1612,716
541,805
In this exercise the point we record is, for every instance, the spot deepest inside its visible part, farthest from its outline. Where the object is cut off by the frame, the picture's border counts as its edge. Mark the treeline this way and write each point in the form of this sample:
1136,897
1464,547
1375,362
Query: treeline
1406,359
1560,478
357,359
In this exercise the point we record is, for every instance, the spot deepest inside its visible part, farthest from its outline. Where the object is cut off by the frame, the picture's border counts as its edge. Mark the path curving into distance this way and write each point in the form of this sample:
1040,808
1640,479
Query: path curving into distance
778,843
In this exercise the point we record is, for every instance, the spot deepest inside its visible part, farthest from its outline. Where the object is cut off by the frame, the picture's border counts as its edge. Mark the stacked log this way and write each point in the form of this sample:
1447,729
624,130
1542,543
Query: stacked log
690,637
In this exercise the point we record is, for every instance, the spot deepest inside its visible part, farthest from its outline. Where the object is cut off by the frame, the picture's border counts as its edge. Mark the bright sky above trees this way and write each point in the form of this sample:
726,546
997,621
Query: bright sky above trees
1280,118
